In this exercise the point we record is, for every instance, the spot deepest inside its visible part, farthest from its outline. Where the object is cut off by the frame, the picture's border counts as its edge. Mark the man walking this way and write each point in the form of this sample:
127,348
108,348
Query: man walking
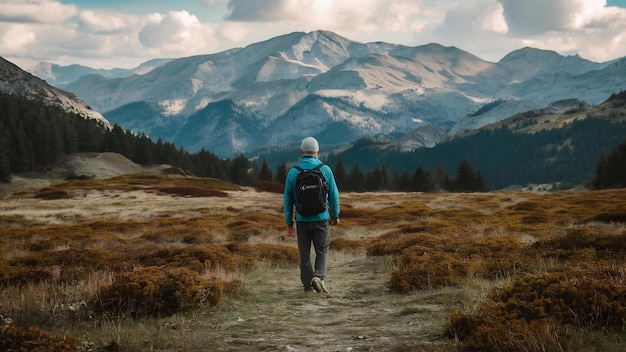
311,228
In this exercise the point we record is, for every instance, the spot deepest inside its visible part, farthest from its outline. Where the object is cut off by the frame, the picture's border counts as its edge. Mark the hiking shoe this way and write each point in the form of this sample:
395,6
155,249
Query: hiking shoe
318,285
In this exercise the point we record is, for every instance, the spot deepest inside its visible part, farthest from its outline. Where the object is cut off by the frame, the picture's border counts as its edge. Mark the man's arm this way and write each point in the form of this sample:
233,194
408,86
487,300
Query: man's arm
333,197
288,201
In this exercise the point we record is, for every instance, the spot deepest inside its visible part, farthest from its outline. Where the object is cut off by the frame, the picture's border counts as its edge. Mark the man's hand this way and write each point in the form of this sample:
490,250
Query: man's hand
334,221
290,231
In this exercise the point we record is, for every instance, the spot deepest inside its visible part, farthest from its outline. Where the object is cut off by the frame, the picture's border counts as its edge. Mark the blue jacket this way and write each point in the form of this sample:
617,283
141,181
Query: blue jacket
332,203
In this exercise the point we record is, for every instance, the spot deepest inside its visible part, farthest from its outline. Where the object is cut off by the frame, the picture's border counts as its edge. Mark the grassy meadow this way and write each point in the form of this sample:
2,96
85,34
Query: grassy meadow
169,263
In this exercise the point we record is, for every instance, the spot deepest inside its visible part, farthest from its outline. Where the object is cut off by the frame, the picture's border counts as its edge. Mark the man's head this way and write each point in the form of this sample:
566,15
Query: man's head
309,146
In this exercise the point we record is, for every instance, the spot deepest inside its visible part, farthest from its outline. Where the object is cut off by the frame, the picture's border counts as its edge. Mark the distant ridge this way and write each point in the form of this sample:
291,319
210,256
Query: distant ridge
274,92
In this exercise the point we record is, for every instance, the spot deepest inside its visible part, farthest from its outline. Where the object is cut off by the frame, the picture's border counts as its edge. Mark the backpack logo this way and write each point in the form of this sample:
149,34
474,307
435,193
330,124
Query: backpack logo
311,190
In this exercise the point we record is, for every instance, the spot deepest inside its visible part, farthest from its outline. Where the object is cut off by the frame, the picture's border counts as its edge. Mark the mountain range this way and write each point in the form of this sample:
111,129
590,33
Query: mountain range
274,93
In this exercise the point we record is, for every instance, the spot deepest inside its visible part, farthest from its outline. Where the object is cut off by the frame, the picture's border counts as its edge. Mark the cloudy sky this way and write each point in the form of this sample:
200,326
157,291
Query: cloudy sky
125,33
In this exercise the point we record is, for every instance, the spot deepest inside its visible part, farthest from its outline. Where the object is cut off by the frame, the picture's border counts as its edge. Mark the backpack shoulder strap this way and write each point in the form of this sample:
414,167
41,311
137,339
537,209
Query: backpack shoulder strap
315,168
318,167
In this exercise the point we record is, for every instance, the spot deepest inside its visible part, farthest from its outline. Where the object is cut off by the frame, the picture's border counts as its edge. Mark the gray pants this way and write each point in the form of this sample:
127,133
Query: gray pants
318,233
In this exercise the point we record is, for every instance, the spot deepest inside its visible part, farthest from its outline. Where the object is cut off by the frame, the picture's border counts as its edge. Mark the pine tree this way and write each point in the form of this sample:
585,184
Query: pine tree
239,170
439,179
266,173
5,166
420,181
384,178
356,180
373,180
479,182
281,173
616,167
465,179
339,171
401,182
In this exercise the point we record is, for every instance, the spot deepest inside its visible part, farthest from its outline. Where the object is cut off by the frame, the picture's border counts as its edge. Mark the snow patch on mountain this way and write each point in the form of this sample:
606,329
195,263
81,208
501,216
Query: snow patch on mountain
322,84
172,107
426,136
510,108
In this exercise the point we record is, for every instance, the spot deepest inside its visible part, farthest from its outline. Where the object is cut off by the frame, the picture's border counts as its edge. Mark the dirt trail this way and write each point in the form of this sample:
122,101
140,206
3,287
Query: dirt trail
358,314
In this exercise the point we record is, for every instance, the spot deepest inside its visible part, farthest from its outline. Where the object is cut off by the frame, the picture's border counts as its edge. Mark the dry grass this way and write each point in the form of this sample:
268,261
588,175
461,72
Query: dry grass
146,262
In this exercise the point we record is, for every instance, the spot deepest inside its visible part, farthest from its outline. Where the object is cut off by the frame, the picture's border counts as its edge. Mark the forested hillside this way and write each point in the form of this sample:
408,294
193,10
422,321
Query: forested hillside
34,136
567,155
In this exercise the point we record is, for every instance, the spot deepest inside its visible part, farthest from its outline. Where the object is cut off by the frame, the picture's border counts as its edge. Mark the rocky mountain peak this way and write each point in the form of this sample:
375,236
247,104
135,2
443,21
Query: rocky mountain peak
15,81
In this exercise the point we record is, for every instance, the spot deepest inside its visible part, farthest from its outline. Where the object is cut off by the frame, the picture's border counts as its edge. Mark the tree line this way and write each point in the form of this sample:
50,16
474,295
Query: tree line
380,179
34,136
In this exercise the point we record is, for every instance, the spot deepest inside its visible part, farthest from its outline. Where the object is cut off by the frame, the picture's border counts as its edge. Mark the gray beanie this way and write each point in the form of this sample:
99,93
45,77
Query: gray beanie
309,144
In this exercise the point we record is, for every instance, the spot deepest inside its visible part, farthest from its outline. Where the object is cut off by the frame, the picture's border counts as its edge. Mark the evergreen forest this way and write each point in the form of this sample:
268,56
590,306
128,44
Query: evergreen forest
564,157
34,137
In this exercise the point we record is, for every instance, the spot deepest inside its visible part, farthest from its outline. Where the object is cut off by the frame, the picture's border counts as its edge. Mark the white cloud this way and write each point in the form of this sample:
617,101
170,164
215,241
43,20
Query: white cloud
40,11
478,27
104,22
348,15
540,16
585,27
17,39
48,30
177,32
494,21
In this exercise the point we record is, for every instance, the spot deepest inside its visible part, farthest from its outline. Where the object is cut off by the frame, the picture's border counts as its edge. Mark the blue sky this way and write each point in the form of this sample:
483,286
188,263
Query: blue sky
620,3
125,33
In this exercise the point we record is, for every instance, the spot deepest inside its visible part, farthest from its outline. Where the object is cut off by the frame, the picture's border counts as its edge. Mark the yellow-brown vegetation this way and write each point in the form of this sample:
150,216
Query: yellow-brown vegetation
13,338
158,291
80,253
269,186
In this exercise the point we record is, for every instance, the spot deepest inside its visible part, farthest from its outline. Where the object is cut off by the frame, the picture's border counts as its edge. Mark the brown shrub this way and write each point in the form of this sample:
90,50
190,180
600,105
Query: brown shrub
269,186
396,241
535,303
505,334
153,291
13,338
609,217
195,257
277,253
342,244
534,219
250,254
73,257
21,275
242,230
52,194
497,257
606,245
365,215
130,182
428,261
421,268
526,206
190,191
